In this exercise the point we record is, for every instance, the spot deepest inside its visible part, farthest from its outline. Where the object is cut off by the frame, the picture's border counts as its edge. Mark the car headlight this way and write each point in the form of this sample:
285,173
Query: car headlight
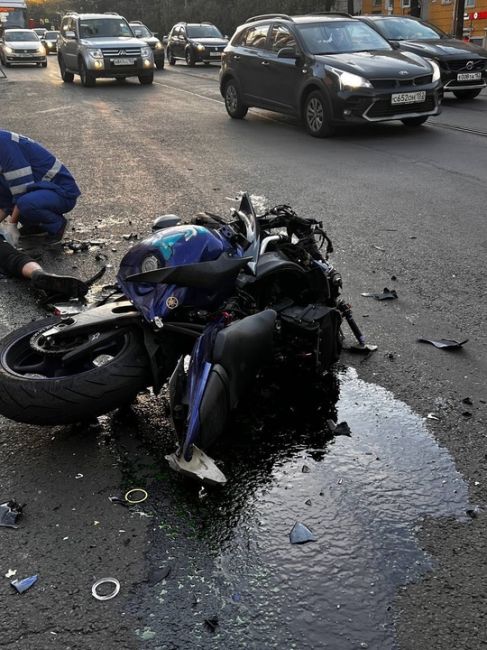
436,70
146,51
158,45
96,54
200,47
349,81
41,49
8,50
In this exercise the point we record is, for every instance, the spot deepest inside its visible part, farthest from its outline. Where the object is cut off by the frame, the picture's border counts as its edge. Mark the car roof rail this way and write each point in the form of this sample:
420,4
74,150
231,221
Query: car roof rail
111,13
136,22
342,14
266,16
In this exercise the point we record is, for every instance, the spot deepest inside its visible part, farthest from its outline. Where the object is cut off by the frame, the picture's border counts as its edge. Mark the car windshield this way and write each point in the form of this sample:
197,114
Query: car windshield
337,37
203,31
141,31
51,35
16,37
104,28
404,29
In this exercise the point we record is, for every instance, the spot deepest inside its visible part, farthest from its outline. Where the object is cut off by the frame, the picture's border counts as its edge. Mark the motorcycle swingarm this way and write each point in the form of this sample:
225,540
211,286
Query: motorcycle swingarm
113,315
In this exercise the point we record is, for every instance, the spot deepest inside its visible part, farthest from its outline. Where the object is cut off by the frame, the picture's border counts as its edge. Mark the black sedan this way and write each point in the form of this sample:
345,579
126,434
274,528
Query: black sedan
49,40
463,65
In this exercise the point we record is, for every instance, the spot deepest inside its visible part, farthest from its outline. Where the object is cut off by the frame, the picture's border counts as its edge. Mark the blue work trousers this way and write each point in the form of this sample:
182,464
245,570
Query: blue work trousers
44,208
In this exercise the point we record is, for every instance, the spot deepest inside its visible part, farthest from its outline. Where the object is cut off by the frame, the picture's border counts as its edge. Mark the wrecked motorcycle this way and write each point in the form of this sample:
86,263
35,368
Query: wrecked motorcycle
203,307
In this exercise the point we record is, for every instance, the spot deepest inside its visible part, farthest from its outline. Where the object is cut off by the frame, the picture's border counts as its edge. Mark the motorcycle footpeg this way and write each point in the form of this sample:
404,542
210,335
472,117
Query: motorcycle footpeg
201,467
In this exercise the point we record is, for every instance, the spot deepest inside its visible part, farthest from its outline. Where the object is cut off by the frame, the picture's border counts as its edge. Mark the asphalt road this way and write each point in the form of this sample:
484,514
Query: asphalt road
406,210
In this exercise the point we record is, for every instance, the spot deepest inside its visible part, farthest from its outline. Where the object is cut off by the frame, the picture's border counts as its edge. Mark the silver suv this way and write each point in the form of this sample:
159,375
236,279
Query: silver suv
102,45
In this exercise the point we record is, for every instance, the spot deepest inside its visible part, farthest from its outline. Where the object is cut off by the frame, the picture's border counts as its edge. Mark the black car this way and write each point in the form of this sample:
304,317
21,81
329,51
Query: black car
326,69
463,65
195,43
49,40
144,33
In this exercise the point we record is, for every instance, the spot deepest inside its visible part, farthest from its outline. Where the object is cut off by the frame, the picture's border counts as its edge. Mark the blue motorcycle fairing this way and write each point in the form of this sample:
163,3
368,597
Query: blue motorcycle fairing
175,246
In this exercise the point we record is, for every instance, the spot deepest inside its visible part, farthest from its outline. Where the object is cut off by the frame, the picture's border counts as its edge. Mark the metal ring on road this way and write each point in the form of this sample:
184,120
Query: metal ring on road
103,581
133,501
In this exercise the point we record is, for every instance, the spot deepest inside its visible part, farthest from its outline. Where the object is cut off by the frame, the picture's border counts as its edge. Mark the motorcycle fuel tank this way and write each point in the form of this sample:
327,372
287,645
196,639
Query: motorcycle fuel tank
176,246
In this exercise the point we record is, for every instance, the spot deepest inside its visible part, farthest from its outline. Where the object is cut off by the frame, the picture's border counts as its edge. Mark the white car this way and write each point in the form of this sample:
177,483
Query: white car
22,46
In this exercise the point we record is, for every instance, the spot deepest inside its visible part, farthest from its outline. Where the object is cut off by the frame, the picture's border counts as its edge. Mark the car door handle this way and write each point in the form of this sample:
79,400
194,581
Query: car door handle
266,63
236,57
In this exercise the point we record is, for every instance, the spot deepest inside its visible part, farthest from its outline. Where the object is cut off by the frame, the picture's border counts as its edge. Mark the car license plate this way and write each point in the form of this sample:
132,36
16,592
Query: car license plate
215,53
25,56
123,61
469,76
409,98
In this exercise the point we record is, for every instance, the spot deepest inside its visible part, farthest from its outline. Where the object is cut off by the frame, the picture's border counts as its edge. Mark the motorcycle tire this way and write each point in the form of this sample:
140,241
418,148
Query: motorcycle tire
99,382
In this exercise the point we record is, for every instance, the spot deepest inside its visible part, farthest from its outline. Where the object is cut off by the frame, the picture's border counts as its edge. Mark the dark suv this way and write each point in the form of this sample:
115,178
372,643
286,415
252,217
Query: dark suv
326,69
195,42
463,65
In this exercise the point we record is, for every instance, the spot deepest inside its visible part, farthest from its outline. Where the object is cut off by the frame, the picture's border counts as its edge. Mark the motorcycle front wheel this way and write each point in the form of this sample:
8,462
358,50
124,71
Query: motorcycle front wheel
47,387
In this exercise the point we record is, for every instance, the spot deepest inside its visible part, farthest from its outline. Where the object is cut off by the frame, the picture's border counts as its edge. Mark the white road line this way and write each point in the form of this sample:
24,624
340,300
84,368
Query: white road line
210,99
52,110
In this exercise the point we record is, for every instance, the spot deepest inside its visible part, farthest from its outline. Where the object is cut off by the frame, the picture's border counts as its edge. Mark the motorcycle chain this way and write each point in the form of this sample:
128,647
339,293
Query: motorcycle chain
37,346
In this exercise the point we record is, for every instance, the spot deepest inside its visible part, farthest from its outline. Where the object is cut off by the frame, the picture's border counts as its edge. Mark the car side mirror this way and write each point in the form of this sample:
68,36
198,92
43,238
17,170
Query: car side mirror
287,53
70,34
395,45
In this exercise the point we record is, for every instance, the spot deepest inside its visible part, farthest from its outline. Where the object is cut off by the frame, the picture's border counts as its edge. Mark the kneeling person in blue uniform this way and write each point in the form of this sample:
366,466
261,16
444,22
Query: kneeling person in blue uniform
36,189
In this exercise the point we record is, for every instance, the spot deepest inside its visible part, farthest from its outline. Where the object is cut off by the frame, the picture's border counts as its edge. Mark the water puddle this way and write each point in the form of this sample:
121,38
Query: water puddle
362,496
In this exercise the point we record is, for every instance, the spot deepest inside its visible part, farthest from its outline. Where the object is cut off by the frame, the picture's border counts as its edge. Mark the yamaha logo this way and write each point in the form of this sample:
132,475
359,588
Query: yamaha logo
469,65
403,72
172,302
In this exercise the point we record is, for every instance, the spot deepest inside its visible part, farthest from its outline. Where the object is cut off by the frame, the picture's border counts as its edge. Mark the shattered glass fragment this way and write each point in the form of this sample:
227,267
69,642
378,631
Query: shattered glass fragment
300,534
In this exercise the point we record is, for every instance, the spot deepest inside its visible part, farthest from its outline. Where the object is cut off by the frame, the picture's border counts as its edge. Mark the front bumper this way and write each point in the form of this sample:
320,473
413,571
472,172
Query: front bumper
51,48
109,69
371,105
210,55
25,58
451,81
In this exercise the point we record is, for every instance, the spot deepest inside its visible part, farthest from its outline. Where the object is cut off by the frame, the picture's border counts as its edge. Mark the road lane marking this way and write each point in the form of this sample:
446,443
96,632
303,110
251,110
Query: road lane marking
211,99
52,110
462,129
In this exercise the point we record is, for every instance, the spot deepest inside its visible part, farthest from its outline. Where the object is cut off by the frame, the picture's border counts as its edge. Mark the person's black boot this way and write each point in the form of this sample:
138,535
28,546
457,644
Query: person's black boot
59,285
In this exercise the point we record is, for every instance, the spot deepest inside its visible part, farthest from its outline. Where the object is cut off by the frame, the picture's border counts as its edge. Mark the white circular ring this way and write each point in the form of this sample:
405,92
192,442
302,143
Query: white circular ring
134,501
103,581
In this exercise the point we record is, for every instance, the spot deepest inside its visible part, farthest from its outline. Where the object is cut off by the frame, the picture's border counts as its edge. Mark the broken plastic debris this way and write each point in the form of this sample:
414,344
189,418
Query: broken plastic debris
118,500
305,469
103,581
467,400
23,585
444,344
9,513
71,308
300,534
211,623
432,416
379,248
473,512
10,573
157,575
78,476
387,294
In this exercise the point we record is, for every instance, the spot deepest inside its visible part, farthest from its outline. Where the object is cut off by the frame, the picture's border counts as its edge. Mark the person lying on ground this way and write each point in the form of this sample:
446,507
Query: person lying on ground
36,189
19,265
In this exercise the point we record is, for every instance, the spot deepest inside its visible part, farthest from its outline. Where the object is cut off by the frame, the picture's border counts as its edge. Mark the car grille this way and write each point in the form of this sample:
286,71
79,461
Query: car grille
121,51
16,51
384,108
400,83
461,65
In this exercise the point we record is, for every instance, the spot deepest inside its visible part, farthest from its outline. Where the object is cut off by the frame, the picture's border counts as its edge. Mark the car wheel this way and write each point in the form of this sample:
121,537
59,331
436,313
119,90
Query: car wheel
171,60
414,121
88,79
233,101
160,64
189,57
44,65
317,114
66,76
146,79
467,94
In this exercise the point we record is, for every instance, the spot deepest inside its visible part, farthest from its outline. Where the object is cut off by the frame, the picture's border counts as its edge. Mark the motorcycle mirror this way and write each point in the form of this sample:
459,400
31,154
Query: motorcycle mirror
166,221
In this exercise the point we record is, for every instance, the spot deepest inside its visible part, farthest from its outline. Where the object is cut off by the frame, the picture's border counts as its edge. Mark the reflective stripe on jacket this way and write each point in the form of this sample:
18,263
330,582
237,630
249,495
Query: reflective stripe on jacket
25,165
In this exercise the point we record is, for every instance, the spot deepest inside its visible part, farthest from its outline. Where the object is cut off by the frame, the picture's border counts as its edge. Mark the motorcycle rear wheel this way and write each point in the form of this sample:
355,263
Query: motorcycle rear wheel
42,389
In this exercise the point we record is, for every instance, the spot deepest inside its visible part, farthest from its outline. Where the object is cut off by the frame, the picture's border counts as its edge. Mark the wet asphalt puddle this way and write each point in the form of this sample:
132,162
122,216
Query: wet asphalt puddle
223,573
